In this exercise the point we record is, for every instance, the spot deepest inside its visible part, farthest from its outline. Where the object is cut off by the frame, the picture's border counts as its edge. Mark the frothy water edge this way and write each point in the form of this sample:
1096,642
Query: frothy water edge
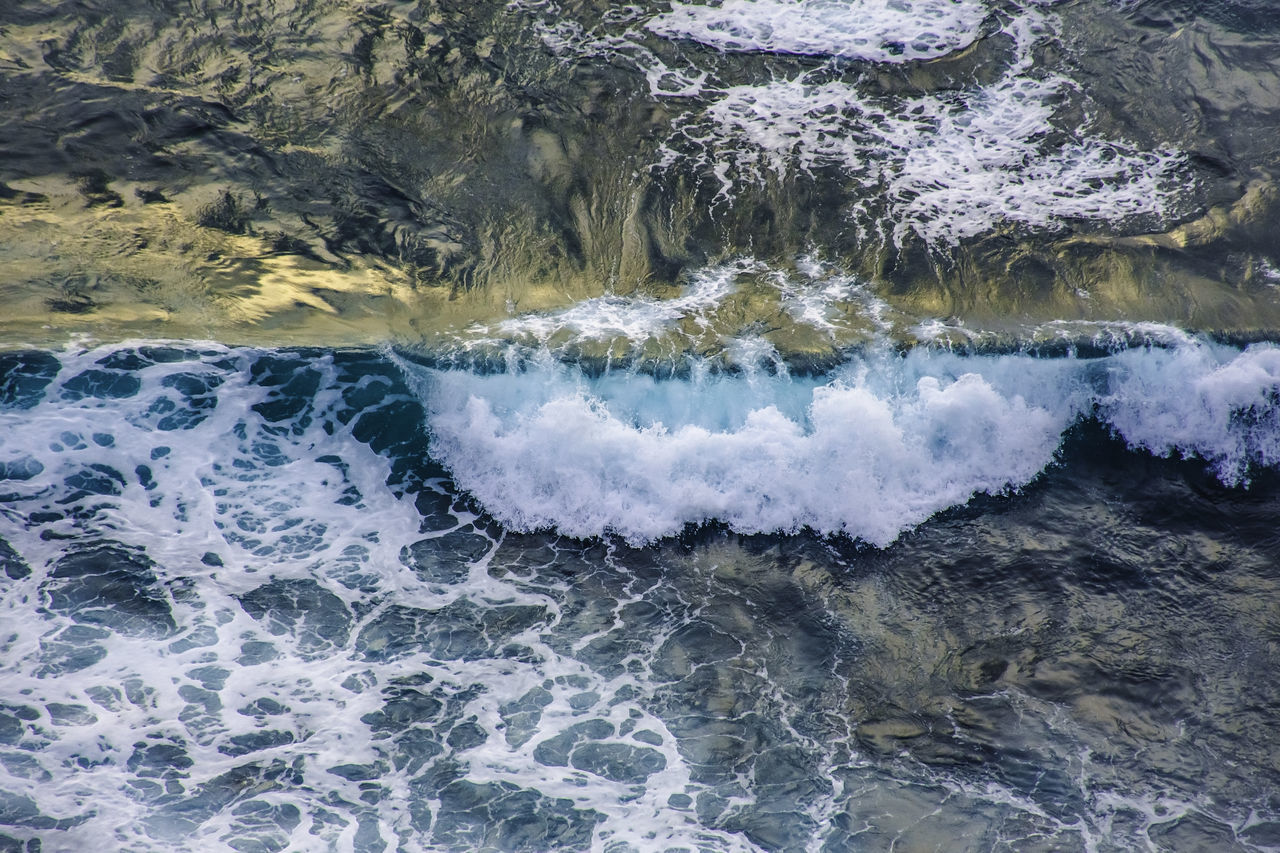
875,449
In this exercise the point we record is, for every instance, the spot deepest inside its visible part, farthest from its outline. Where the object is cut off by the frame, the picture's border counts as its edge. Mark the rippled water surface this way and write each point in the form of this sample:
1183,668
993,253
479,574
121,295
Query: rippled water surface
755,425
244,609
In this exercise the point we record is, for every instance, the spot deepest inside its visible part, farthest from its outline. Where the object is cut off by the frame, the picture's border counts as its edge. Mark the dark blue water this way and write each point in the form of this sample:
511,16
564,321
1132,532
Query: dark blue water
245,607
752,425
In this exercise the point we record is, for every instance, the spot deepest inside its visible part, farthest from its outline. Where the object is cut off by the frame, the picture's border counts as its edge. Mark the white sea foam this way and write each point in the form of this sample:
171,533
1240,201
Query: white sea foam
885,444
823,297
941,166
239,473
874,30
635,318
946,166
1186,401
814,294
278,496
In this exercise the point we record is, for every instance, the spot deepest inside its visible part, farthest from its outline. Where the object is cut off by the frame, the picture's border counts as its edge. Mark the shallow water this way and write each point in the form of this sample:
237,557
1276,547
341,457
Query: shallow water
323,174
772,425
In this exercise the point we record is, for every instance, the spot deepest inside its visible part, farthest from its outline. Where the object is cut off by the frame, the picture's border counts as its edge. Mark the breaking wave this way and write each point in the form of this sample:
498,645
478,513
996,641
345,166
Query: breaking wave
870,451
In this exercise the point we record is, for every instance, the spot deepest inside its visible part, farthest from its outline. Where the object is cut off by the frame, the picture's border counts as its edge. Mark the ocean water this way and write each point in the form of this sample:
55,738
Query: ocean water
330,599
764,425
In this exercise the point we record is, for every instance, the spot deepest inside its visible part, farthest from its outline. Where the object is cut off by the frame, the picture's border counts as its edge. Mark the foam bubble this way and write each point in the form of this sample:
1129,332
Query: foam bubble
874,30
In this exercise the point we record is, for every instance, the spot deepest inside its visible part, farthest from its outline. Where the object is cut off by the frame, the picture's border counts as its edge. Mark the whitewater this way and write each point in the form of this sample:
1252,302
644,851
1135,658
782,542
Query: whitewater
534,425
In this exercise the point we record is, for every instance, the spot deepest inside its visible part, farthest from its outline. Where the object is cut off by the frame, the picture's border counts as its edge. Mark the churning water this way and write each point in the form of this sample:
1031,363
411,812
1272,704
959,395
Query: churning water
785,425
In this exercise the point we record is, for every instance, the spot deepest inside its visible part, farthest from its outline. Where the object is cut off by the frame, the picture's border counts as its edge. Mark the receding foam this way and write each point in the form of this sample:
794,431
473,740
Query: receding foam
873,30
942,166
